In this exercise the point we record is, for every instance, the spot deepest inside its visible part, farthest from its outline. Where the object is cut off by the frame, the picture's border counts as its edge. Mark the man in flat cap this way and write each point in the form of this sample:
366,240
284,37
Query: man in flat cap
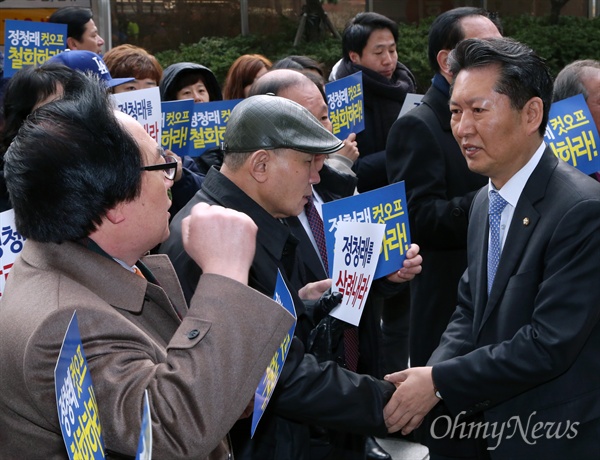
273,151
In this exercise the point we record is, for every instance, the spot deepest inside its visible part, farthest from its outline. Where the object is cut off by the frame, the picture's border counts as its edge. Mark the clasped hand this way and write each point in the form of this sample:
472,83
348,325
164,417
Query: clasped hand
413,399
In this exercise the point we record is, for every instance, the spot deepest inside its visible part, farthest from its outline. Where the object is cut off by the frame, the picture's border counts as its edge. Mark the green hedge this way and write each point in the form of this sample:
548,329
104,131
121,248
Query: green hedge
573,38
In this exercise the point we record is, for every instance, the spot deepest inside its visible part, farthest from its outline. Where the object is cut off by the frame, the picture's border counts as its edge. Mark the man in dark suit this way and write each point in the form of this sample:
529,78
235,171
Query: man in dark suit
517,369
439,186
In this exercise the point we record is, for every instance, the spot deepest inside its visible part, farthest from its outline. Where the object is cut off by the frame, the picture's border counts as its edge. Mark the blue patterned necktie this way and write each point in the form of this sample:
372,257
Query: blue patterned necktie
497,205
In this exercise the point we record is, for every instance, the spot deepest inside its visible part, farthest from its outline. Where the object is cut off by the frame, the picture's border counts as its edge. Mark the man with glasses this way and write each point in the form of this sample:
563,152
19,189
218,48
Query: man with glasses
168,167
89,188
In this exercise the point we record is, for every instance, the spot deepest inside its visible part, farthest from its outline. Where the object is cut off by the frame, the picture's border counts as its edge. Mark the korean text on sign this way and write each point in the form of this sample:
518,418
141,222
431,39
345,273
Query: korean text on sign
265,388
572,135
11,245
143,105
385,205
176,122
30,43
209,121
345,102
356,253
76,400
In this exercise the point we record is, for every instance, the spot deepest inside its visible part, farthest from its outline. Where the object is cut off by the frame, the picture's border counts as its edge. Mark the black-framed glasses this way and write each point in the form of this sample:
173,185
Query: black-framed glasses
169,167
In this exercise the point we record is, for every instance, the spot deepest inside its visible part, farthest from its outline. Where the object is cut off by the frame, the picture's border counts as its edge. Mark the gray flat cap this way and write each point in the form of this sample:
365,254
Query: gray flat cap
271,122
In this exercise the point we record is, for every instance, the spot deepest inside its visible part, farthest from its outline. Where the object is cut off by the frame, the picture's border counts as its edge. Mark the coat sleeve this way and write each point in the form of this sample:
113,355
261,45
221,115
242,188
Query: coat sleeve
330,396
198,385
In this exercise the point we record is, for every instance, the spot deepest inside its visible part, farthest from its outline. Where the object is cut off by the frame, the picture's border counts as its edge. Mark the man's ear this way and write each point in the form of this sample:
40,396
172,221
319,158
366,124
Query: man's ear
354,57
116,215
442,60
259,164
533,112
72,44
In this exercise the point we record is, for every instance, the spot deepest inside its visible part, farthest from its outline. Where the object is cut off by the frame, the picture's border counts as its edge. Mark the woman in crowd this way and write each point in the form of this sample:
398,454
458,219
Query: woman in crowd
244,71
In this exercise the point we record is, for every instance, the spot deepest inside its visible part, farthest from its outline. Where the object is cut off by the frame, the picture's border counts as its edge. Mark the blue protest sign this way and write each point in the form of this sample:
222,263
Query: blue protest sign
176,121
144,450
208,125
385,205
76,400
572,135
29,43
346,105
267,384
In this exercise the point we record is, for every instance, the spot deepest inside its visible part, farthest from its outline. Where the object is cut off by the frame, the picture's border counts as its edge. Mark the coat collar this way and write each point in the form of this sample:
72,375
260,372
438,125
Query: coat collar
106,278
272,233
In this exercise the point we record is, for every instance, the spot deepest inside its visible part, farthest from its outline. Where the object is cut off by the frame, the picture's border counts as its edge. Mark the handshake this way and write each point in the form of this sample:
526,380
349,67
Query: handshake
414,397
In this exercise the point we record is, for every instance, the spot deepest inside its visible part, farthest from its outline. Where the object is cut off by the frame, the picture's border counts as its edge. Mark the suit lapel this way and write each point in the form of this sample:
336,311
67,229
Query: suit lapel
522,226
477,255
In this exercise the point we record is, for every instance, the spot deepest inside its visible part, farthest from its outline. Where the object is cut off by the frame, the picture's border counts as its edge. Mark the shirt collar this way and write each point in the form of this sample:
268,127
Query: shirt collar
511,191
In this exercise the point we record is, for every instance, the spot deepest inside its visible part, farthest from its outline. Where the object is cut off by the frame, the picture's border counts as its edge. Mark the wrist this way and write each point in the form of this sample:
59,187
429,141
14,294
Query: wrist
436,391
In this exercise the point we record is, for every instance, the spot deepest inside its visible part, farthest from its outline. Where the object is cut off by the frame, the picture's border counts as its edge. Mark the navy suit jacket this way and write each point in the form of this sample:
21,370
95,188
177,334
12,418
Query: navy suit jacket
532,349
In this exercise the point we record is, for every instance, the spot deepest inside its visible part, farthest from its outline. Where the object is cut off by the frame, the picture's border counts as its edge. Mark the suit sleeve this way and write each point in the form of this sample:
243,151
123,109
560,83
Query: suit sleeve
414,154
197,389
558,297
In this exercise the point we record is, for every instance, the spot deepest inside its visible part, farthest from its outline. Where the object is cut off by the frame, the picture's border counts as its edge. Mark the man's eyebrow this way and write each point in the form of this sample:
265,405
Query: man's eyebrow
470,101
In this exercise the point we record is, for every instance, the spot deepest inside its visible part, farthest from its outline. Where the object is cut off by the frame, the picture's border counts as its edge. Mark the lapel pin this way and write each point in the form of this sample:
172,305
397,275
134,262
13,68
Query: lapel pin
526,221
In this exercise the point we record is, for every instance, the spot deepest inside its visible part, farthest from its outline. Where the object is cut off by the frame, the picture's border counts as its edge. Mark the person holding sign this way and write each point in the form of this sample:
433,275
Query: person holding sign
89,189
273,151
369,45
522,345
361,345
581,77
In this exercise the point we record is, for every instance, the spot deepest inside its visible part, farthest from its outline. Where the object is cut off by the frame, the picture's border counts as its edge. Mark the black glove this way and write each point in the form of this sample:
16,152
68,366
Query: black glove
325,339
319,309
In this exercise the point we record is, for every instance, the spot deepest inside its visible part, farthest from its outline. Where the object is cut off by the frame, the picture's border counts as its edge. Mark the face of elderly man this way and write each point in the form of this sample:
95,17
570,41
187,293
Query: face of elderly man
591,80
288,177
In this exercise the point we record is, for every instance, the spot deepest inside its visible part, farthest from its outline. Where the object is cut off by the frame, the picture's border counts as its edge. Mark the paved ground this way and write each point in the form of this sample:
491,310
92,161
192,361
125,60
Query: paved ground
401,449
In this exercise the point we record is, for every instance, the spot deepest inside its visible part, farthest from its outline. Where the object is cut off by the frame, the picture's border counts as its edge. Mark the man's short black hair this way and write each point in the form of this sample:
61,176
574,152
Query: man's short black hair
446,31
75,18
70,163
359,29
522,73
